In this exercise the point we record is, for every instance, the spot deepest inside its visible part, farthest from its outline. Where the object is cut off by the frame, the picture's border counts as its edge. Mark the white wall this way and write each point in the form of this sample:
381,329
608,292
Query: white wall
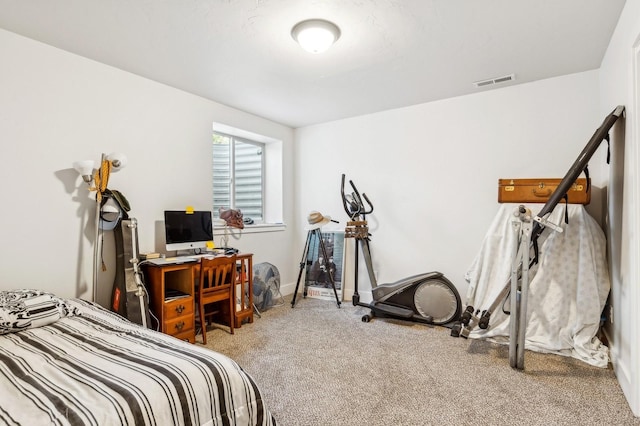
56,108
620,85
432,170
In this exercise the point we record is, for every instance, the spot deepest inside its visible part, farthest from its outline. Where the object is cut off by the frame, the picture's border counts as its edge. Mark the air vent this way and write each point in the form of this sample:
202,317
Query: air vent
496,80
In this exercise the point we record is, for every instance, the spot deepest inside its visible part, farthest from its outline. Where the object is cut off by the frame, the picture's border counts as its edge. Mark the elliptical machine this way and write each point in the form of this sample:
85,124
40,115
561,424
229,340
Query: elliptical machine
427,298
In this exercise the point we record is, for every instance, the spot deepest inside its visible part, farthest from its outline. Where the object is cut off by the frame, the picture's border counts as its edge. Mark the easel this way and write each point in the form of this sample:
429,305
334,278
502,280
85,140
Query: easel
517,287
528,234
519,293
303,263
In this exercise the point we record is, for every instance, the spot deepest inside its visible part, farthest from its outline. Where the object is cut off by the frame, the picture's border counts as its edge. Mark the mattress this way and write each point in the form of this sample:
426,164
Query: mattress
93,367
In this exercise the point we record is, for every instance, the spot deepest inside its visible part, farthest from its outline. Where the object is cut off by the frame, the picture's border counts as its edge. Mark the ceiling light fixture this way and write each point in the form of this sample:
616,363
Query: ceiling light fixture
315,35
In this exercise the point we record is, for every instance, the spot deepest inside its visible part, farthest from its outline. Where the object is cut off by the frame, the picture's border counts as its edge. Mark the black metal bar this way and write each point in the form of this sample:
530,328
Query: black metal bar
577,168
326,256
303,263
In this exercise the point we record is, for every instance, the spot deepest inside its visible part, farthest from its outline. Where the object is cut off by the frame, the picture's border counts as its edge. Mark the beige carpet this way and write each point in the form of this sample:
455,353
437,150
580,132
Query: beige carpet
320,365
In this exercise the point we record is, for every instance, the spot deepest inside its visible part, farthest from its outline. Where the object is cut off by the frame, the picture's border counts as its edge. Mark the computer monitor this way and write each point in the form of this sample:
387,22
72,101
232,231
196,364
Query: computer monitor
186,230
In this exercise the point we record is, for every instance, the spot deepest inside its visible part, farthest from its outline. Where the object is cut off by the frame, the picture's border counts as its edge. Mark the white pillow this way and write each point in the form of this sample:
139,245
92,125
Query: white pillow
24,309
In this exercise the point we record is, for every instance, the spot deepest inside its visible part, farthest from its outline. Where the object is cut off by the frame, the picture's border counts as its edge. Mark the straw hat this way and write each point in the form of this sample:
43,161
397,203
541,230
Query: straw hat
316,220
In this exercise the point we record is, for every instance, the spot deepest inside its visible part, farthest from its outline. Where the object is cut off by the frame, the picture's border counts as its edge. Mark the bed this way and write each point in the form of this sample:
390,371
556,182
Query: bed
70,362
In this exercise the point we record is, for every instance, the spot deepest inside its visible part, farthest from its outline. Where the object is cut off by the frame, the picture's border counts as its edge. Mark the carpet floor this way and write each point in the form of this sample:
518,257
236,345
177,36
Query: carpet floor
318,364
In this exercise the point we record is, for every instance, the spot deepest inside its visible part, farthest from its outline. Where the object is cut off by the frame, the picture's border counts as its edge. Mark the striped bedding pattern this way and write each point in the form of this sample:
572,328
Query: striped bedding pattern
99,369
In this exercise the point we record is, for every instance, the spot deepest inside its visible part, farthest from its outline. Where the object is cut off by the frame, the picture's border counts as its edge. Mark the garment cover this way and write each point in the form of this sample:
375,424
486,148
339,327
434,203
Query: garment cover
567,288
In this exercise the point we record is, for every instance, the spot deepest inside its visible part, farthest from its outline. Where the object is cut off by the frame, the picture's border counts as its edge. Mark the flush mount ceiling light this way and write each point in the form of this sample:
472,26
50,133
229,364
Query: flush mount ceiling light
315,35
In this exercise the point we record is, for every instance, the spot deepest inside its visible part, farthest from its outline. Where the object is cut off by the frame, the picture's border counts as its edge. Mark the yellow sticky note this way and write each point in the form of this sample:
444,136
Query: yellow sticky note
210,245
189,210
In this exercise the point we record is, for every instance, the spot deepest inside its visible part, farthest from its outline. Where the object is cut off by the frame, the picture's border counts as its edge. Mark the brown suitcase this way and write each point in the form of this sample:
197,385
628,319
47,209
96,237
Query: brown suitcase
539,190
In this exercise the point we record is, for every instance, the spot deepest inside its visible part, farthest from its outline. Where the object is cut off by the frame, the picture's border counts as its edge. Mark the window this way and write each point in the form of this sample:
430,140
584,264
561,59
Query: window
226,191
238,175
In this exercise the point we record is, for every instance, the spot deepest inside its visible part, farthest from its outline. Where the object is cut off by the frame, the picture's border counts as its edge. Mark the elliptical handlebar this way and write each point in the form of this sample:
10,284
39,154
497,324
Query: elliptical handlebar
344,198
368,202
354,207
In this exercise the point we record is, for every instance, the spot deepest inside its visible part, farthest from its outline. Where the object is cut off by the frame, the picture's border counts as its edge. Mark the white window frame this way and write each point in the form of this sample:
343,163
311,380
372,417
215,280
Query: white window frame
272,186
232,173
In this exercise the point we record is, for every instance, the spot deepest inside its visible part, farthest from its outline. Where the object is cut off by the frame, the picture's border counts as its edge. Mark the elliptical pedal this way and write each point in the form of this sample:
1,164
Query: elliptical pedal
392,310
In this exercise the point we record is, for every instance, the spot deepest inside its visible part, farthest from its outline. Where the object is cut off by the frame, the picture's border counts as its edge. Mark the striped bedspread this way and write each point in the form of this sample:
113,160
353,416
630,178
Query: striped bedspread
99,369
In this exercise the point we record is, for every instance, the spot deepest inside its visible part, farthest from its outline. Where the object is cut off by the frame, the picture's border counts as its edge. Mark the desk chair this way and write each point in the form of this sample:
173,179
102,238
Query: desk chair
216,284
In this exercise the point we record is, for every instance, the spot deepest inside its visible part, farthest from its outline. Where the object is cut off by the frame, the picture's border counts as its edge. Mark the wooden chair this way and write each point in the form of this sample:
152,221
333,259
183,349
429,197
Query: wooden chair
216,284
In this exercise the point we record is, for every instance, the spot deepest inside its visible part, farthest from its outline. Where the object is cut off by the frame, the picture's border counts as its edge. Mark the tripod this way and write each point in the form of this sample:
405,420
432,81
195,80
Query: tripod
303,263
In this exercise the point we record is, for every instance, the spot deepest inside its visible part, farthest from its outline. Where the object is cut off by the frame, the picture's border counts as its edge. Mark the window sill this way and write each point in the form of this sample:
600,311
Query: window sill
252,229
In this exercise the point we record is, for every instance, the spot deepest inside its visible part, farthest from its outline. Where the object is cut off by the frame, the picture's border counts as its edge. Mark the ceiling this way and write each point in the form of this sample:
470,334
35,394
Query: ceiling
392,53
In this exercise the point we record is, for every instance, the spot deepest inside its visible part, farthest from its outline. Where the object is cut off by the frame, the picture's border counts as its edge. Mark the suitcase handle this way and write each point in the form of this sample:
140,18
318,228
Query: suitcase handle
545,193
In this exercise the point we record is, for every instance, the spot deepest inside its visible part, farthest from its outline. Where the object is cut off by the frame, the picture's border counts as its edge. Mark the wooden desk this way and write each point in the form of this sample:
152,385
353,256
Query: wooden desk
177,317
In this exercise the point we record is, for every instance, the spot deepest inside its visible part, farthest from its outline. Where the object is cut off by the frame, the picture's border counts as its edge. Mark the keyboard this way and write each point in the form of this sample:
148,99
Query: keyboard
172,260
177,260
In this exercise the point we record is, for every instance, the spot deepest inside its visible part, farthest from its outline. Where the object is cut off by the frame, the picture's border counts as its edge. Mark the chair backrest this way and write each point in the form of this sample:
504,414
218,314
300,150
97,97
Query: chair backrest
217,272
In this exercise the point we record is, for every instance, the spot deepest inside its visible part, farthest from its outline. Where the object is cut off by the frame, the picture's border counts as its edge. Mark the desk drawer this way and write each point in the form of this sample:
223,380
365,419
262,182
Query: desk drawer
178,308
179,325
187,336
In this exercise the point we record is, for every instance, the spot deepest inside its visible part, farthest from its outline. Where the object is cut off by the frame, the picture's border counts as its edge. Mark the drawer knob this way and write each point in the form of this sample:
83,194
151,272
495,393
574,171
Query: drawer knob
179,309
180,325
